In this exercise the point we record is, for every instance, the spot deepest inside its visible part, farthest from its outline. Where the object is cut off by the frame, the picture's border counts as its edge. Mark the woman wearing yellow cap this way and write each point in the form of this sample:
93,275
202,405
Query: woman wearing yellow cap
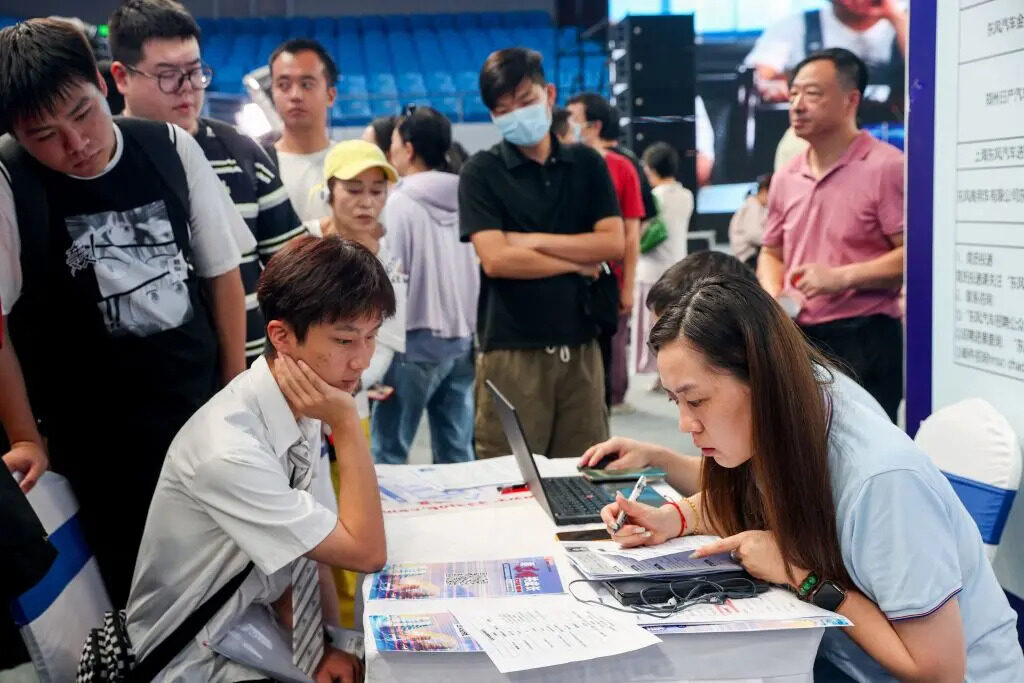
356,177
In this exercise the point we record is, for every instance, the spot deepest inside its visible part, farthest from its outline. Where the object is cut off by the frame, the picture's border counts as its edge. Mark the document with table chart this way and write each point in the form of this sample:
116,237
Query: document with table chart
604,560
517,639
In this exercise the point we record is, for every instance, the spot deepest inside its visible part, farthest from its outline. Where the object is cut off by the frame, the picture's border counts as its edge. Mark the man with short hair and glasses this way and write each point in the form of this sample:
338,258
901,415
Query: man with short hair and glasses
159,70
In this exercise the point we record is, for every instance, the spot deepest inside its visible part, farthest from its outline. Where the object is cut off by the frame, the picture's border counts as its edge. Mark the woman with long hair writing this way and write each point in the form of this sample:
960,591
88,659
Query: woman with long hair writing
812,488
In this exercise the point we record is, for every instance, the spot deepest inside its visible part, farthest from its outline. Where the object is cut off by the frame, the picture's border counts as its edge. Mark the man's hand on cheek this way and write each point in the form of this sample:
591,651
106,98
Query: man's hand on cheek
309,395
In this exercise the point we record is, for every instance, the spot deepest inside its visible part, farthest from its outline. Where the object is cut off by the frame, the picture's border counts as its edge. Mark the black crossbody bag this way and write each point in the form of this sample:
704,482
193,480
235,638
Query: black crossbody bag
107,654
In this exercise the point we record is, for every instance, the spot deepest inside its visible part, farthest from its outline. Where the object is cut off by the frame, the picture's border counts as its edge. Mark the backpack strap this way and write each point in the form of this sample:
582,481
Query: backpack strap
158,141
812,31
271,150
171,646
31,205
244,149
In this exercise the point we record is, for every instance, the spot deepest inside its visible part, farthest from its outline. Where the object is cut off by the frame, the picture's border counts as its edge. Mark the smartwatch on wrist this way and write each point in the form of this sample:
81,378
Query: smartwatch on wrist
828,595
824,594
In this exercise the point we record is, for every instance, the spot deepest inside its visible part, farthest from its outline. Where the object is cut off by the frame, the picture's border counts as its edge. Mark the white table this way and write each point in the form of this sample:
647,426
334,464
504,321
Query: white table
522,529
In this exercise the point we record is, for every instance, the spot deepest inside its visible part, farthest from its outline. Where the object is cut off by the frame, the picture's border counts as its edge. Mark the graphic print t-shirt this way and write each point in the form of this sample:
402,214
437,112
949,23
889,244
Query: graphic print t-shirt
115,324
140,271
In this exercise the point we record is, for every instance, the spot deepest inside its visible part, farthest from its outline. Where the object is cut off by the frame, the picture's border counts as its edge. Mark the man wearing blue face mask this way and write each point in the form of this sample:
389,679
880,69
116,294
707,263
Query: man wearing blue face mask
542,216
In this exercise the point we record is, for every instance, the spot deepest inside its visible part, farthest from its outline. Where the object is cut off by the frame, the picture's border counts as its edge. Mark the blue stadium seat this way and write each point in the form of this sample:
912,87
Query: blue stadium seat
595,73
325,27
216,51
491,19
348,24
392,60
467,81
352,112
535,18
383,84
443,21
569,78
225,26
249,25
449,106
207,26
300,27
371,22
278,25
440,82
384,107
243,49
411,84
464,21
396,22
352,84
474,109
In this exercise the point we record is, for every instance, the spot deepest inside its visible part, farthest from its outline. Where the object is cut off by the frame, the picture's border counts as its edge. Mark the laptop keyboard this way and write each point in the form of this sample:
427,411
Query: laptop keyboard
575,496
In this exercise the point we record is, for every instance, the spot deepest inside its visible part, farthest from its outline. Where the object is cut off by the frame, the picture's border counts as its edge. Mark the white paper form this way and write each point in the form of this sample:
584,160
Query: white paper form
492,472
603,560
530,638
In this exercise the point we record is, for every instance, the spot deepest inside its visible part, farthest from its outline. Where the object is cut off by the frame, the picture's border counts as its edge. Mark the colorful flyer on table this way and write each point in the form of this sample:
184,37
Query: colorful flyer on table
471,579
420,633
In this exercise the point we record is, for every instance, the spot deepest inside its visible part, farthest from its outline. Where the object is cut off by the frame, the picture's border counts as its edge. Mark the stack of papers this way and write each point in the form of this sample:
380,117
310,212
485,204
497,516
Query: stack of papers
478,482
602,561
470,579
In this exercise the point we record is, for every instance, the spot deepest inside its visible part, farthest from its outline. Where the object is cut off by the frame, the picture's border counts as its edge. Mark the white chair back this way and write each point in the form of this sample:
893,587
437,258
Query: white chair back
55,616
978,451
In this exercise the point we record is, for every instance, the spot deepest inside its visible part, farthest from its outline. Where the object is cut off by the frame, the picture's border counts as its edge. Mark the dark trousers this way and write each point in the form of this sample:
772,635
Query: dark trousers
113,475
870,349
615,358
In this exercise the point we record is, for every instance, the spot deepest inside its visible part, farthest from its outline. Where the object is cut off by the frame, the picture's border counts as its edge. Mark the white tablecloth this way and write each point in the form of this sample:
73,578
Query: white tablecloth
522,529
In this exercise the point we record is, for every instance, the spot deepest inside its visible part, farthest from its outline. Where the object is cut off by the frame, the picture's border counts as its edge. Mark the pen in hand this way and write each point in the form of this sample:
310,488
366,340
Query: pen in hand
638,488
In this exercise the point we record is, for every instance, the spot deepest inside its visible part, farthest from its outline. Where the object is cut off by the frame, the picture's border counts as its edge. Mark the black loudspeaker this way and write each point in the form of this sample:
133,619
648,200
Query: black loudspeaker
679,134
654,71
654,86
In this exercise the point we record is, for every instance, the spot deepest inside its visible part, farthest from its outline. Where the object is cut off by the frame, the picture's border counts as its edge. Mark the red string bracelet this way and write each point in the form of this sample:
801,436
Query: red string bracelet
682,518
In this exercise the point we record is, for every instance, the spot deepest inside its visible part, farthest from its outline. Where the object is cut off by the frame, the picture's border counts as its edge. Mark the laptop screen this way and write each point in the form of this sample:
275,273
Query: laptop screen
517,441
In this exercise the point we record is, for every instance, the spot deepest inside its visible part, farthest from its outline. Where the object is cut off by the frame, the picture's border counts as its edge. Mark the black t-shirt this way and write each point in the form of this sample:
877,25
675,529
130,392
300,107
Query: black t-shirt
116,332
500,189
650,208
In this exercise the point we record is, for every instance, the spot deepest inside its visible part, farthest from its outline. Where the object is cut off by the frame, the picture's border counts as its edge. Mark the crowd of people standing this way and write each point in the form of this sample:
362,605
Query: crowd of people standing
135,252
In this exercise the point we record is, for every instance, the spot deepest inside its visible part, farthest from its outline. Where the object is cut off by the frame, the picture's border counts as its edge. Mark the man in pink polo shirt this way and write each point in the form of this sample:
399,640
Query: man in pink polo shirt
833,239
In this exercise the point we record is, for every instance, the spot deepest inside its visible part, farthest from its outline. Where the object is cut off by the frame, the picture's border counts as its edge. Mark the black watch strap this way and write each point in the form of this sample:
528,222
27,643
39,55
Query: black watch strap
828,596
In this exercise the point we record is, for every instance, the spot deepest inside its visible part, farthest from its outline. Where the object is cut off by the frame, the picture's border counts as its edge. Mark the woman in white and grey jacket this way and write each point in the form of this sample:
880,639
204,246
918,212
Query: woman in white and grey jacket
435,372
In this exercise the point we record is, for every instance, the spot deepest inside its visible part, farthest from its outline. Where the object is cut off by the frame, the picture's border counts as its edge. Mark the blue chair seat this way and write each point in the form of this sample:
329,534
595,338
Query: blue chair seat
384,107
383,83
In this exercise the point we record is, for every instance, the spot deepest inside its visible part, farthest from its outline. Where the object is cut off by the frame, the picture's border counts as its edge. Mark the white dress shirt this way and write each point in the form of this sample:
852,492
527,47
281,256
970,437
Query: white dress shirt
224,498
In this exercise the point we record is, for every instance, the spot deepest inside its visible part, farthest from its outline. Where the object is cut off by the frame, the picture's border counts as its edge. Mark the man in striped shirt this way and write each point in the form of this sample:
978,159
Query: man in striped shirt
158,68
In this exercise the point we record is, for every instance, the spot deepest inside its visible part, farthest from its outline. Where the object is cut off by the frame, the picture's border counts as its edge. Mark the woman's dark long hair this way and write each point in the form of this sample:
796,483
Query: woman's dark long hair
383,127
785,487
430,134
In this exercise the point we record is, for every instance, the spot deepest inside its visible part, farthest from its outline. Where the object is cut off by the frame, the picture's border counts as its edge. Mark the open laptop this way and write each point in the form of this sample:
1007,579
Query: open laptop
567,500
